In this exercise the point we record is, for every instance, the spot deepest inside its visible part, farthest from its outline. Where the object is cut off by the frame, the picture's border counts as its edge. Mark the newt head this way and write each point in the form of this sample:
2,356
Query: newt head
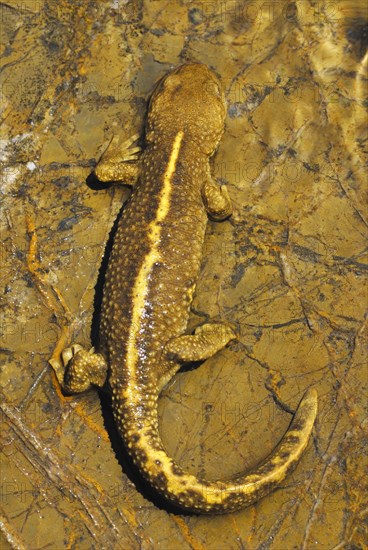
190,99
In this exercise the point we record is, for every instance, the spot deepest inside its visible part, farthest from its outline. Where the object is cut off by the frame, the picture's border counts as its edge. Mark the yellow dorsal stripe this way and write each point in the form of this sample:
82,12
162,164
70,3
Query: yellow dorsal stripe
140,288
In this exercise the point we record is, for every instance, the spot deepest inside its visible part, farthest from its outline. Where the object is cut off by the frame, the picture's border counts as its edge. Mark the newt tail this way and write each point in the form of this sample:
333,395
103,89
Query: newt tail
215,497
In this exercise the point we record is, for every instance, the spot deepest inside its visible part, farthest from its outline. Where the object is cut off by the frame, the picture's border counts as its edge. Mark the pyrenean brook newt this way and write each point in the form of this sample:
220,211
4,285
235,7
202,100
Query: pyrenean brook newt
149,286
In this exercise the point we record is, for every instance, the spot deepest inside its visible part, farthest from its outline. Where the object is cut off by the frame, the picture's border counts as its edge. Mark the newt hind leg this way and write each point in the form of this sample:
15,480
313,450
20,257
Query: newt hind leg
80,369
207,340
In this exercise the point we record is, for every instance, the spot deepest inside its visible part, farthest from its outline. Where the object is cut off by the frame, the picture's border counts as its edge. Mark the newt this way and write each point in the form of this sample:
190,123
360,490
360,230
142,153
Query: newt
149,286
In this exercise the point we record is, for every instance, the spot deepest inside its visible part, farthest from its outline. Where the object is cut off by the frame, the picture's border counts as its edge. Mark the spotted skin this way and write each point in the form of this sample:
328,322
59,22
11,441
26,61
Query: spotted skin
149,287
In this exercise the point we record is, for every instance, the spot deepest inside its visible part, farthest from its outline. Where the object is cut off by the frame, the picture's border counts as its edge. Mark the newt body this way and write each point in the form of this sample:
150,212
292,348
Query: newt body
149,287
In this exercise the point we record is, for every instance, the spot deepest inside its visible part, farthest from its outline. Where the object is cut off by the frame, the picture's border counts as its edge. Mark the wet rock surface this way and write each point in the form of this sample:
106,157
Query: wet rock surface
287,269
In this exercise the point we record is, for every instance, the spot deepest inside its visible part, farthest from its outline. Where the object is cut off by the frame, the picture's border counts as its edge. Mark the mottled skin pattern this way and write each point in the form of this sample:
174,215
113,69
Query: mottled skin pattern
149,286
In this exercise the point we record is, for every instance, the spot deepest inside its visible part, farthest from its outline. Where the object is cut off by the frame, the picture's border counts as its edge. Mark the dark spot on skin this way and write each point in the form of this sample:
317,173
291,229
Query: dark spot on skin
232,501
267,468
176,470
284,454
140,456
160,481
293,439
196,499
298,425
151,214
135,438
